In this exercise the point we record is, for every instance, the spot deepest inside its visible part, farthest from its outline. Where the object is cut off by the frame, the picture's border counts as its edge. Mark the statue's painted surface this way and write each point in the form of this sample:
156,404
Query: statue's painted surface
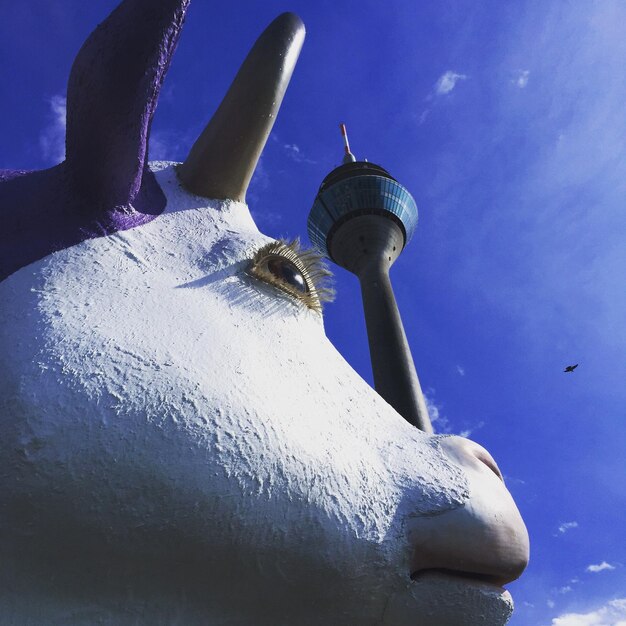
180,443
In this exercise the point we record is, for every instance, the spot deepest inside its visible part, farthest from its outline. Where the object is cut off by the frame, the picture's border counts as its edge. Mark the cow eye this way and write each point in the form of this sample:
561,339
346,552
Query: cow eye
294,270
285,270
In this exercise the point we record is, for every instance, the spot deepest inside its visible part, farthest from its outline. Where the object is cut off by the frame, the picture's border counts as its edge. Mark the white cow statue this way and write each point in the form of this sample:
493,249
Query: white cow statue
181,444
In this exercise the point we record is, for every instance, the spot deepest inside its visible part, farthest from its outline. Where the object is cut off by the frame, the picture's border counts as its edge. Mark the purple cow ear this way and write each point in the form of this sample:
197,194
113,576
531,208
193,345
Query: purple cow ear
104,184
112,95
222,161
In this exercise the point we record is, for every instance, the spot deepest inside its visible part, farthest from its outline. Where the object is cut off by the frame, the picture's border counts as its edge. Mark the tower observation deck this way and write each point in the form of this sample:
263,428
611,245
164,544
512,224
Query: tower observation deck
361,219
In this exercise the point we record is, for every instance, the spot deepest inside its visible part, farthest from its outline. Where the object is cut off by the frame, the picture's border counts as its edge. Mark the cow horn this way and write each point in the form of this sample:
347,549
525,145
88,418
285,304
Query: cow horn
224,157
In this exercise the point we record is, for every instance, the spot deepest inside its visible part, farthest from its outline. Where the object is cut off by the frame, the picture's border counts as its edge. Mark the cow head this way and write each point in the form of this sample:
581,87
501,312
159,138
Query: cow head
181,442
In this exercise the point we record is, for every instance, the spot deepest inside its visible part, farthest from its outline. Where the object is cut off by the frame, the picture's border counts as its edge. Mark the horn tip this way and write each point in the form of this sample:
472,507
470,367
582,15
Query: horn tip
289,22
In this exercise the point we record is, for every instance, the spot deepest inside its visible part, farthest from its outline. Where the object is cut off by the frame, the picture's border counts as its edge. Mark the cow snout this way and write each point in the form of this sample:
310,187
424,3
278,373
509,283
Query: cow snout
485,539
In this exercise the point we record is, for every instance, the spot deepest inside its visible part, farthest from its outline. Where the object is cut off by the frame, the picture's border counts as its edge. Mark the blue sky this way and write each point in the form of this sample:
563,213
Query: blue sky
507,123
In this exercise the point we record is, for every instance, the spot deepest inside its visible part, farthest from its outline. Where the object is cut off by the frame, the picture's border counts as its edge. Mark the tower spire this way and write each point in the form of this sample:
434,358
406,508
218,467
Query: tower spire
348,157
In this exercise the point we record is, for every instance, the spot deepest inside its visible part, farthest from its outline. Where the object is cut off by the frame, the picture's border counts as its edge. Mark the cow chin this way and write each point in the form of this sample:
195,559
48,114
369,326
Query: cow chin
448,600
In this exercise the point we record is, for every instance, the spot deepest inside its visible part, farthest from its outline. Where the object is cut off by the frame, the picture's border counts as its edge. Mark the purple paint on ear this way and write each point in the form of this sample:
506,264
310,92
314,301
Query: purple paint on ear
104,185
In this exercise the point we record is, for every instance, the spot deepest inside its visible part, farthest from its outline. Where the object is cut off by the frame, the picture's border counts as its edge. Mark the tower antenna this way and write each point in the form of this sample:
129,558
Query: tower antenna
348,157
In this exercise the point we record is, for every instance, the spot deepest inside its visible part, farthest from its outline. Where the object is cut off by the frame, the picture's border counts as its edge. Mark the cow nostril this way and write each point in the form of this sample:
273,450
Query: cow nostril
468,453
484,457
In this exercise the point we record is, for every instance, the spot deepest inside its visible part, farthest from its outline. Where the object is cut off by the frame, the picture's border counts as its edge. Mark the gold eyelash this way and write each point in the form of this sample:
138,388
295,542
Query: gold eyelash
307,261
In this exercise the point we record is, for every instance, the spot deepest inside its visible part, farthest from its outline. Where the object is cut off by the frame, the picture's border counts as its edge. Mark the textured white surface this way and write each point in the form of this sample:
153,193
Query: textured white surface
182,444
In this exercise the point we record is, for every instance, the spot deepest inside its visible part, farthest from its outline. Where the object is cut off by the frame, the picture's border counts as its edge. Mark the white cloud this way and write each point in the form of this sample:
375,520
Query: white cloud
441,422
468,431
52,138
167,145
521,80
434,411
260,181
266,220
291,150
565,589
295,154
565,526
612,614
594,569
447,82
444,85
460,370
511,480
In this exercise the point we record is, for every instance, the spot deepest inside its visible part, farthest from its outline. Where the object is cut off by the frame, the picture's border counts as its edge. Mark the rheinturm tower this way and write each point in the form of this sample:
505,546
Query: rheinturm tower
362,219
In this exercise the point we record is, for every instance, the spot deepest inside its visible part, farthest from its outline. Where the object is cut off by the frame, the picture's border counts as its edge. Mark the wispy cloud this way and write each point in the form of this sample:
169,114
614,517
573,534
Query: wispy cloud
441,422
594,569
521,78
565,589
435,412
612,614
585,153
259,183
468,431
295,154
447,82
52,138
167,145
460,370
444,85
266,220
565,526
512,480
291,150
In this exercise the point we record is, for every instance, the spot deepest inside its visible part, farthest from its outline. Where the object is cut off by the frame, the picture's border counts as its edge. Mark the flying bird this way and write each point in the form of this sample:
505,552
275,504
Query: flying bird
570,368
